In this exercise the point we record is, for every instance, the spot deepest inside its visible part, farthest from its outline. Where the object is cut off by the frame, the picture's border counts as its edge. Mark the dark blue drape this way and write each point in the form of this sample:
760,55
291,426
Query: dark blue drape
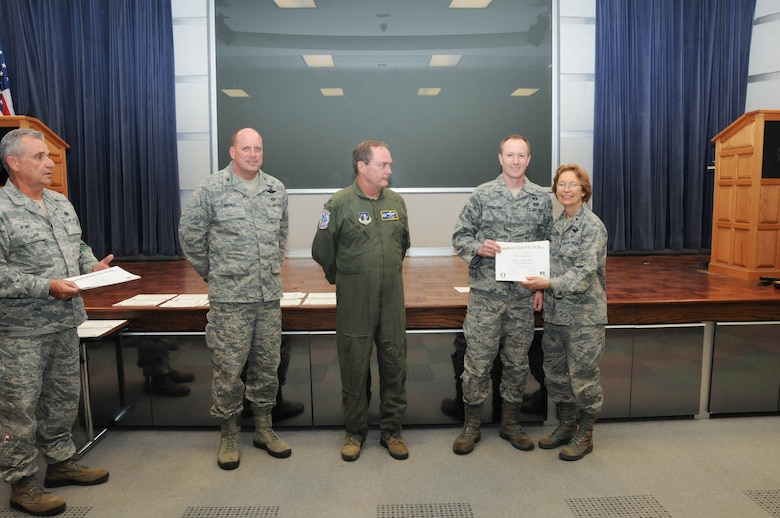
670,75
101,75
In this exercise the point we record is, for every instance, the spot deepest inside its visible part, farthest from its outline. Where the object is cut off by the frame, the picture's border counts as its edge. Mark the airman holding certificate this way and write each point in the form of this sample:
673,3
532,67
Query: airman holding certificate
509,209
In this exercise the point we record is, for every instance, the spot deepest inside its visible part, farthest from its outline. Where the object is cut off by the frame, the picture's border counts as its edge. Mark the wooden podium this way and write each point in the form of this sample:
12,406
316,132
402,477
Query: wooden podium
57,147
746,205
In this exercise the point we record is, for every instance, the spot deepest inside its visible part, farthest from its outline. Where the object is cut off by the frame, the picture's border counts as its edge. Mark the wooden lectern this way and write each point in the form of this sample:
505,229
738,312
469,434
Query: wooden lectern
57,147
746,206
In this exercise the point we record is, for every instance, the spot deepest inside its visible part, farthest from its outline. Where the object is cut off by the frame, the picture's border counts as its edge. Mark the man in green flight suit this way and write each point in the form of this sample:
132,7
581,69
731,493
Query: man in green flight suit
361,243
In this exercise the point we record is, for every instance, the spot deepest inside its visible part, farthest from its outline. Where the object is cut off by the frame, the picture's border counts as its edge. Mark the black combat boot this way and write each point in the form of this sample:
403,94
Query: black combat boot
454,407
285,409
536,403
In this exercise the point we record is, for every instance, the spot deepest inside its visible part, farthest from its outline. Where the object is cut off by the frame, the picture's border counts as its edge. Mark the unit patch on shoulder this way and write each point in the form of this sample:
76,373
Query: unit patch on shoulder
324,219
389,215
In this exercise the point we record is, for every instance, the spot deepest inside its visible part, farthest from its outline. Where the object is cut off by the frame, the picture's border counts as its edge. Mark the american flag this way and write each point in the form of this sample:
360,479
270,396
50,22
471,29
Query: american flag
6,103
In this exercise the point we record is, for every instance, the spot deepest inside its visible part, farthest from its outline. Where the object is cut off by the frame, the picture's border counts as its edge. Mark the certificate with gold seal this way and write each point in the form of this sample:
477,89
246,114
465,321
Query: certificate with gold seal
516,261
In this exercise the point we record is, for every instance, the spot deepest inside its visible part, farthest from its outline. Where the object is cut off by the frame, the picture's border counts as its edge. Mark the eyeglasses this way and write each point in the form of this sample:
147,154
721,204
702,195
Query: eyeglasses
570,185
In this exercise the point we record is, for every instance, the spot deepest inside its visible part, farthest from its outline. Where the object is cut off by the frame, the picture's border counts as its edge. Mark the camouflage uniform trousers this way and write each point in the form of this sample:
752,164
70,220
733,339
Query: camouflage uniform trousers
571,364
489,317
238,334
39,398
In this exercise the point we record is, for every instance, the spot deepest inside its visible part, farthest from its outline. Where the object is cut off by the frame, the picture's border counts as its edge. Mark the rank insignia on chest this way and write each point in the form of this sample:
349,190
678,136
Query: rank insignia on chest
389,215
364,218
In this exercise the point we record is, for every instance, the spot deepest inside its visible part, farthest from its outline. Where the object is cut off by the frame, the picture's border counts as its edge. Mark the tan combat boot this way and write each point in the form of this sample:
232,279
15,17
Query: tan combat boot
471,434
350,449
28,496
510,428
266,438
396,446
68,473
582,442
228,457
567,425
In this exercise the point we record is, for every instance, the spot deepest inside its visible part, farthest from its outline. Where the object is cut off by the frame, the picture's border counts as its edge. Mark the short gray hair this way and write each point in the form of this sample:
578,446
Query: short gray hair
12,144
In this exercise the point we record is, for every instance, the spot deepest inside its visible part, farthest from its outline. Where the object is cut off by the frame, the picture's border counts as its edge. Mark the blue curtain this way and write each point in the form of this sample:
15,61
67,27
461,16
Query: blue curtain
100,74
670,75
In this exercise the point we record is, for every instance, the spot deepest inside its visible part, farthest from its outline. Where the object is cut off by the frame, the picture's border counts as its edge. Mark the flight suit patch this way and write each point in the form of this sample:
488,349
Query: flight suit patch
389,215
364,218
324,219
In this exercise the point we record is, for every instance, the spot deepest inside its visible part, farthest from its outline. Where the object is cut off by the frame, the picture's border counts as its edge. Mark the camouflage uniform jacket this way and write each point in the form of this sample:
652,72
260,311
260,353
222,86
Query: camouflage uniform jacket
578,260
34,250
493,212
236,239
344,245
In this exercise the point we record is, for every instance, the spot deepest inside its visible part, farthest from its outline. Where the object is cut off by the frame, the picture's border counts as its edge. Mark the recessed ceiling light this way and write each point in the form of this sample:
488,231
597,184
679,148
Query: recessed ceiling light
295,4
332,92
524,92
444,60
318,60
428,91
469,4
234,92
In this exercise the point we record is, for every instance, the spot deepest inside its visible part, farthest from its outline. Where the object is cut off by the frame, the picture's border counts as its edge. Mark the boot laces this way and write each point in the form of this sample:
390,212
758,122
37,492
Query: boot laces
580,436
230,442
33,490
469,432
562,430
270,435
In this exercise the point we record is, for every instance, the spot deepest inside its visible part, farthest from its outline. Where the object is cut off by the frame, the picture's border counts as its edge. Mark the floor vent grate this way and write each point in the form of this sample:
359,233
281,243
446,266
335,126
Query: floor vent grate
768,499
318,373
644,506
439,355
419,373
446,510
267,511
298,376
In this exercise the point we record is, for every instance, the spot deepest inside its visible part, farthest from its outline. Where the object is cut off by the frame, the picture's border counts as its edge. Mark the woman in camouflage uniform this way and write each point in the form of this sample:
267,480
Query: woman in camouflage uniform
575,314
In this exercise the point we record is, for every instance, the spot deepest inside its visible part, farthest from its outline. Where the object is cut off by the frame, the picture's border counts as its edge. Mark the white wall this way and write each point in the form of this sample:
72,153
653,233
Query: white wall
764,67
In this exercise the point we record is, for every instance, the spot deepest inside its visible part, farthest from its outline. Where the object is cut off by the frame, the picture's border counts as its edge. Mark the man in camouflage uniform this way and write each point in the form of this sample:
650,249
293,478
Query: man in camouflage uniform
234,233
40,247
361,243
575,314
509,209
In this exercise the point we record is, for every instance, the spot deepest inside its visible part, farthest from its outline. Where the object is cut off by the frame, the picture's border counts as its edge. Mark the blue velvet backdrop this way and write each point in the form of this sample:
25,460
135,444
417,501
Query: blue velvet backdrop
101,75
670,75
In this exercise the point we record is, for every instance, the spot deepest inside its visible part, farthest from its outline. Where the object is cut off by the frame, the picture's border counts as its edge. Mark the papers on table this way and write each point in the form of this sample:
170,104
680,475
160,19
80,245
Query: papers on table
462,289
516,261
320,299
98,328
196,300
167,300
293,298
189,300
107,277
154,299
